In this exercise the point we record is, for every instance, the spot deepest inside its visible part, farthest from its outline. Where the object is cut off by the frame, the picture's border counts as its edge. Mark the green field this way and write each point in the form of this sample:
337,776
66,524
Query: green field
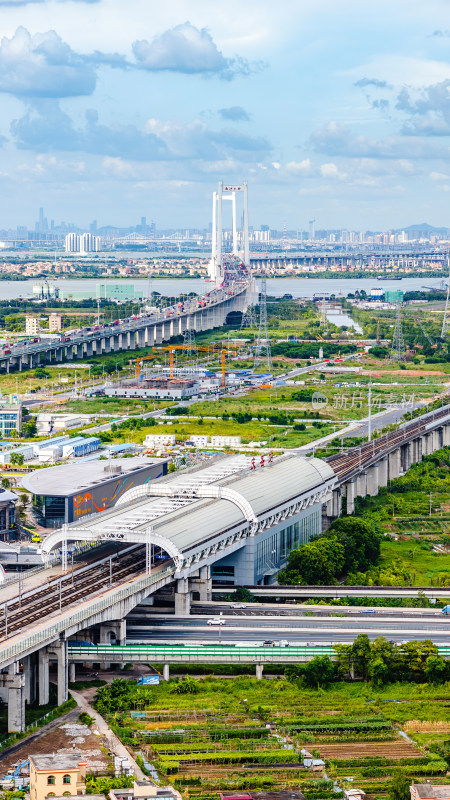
210,735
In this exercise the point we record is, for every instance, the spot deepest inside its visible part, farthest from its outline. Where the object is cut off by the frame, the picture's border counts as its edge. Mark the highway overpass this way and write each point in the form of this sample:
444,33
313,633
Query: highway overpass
201,313
335,592
260,656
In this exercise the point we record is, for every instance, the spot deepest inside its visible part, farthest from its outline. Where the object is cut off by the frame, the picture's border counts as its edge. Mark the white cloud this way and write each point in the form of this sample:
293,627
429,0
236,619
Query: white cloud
439,176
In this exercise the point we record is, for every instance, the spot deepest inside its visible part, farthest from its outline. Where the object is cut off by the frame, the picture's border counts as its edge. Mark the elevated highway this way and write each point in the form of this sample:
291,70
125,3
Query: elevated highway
258,655
335,592
201,313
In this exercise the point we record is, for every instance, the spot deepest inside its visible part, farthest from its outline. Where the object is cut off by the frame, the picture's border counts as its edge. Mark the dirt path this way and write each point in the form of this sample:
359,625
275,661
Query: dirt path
114,744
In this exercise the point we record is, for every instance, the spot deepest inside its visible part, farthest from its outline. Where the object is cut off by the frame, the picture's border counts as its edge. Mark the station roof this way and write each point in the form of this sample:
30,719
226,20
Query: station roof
67,479
188,523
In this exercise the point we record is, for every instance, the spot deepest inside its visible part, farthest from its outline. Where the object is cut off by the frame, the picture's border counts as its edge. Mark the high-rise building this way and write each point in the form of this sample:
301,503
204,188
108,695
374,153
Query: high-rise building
89,243
84,243
31,325
55,322
72,243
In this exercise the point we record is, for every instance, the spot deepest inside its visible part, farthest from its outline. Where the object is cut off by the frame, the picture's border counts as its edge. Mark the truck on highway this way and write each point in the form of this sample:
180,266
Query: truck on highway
446,610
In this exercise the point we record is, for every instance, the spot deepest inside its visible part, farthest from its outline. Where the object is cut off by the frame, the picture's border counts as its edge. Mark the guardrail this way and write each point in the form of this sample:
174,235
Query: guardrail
202,653
205,653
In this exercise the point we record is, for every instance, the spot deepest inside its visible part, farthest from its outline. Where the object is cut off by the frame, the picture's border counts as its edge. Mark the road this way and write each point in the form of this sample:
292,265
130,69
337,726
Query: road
257,629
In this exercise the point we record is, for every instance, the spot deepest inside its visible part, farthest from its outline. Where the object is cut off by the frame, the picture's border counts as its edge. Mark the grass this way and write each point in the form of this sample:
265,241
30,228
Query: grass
423,565
187,736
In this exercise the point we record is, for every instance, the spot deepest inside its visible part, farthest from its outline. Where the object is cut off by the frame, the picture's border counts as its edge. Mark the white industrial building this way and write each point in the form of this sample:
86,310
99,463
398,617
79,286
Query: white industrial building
153,440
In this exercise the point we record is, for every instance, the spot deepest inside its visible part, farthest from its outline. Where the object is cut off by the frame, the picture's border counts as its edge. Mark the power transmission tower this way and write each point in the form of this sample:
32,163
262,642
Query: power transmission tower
446,320
189,341
398,350
323,314
248,318
262,351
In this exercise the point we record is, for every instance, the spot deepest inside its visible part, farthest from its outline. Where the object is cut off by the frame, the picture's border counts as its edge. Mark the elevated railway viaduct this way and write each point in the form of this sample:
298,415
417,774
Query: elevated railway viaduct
232,518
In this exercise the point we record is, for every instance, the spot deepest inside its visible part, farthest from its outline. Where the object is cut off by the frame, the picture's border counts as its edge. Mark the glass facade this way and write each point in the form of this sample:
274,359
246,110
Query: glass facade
50,511
274,550
9,421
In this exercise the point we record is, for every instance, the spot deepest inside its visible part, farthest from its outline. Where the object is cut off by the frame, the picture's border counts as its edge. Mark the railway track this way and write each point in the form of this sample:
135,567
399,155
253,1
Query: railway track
64,591
346,464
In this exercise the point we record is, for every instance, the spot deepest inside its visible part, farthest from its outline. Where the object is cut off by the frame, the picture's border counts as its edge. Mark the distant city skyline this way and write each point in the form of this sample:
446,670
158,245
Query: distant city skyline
338,112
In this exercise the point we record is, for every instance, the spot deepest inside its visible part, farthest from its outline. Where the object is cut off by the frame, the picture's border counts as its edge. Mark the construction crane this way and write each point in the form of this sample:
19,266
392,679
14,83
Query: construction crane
211,349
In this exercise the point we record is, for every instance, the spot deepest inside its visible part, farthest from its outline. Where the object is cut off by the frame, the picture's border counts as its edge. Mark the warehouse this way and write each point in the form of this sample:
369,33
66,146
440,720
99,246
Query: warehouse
69,492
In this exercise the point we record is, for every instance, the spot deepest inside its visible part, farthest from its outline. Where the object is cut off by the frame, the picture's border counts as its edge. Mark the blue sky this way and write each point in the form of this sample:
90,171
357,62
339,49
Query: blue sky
338,111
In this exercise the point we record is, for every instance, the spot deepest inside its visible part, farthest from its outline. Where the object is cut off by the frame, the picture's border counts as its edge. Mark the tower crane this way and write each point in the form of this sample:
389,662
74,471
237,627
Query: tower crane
211,349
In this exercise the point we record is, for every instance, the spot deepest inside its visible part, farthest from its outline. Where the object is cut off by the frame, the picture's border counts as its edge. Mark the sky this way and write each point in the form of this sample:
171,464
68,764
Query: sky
337,111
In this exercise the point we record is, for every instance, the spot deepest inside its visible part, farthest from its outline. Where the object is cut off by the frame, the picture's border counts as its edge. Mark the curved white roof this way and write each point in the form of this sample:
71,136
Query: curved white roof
195,521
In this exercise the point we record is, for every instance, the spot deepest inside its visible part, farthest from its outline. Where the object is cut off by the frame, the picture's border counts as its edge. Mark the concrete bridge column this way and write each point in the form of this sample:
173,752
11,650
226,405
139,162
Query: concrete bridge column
361,485
166,672
405,456
350,491
158,334
89,350
72,672
259,671
372,480
106,344
149,335
382,472
43,677
141,337
426,444
437,438
59,354
414,452
60,650
13,683
202,584
182,598
183,325
446,435
394,464
30,679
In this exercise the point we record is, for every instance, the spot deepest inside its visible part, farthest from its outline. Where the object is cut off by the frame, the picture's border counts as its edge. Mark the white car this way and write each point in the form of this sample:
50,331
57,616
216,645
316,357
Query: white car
284,643
216,621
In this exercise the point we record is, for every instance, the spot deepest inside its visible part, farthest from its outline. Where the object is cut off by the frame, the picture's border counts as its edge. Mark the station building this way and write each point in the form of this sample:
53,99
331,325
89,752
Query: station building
70,492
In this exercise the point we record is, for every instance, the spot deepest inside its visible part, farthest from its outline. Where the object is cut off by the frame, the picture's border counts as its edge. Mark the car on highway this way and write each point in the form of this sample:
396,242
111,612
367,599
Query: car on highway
216,621
284,643
238,605
269,643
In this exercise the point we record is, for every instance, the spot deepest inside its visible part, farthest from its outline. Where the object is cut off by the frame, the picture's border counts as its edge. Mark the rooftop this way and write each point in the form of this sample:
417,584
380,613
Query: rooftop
69,478
186,522
427,790
57,761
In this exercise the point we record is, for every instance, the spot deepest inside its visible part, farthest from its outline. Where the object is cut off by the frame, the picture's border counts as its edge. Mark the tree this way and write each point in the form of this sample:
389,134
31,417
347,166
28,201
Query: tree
16,459
399,788
318,672
360,655
436,669
29,429
378,671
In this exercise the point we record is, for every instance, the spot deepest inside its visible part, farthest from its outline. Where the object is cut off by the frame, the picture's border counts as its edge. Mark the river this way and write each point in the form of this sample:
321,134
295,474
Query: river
172,287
